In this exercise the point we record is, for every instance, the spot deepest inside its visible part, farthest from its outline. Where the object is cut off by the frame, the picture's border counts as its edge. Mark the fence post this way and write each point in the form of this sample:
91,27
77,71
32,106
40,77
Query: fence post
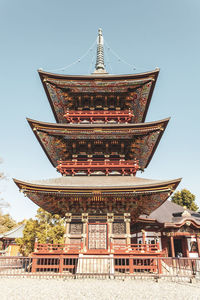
34,264
159,264
131,265
61,264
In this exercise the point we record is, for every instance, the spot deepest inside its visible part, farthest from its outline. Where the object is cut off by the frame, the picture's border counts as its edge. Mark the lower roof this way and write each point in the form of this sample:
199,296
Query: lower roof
100,182
81,194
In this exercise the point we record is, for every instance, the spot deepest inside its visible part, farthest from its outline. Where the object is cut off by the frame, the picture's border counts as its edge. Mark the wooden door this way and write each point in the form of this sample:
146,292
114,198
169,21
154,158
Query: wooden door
97,236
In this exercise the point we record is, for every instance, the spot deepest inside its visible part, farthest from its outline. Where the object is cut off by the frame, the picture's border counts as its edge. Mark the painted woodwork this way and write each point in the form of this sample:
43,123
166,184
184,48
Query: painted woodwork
132,142
107,167
116,201
99,116
76,228
129,92
119,228
97,236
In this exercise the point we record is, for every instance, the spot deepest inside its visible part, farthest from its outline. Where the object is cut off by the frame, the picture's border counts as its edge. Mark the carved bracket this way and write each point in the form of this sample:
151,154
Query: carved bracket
127,217
110,217
85,217
68,217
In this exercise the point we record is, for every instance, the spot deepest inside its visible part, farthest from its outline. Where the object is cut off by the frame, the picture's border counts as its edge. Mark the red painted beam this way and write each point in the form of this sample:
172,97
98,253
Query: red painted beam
124,167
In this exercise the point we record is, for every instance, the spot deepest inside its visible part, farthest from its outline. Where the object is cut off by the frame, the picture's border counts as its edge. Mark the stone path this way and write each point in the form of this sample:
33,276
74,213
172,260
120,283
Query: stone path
95,289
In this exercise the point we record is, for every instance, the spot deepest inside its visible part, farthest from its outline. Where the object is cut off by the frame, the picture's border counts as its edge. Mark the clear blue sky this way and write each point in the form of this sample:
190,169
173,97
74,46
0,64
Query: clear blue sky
51,34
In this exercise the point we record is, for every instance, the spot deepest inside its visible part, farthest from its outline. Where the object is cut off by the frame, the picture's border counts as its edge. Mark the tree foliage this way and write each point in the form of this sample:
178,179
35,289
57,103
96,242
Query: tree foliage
6,222
185,198
47,228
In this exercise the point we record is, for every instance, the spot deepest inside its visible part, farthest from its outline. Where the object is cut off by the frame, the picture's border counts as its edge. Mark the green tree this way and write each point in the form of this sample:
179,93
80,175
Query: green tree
47,228
6,222
185,198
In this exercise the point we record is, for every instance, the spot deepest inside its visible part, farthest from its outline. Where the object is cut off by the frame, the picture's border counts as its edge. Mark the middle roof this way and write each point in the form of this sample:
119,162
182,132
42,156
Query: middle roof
130,141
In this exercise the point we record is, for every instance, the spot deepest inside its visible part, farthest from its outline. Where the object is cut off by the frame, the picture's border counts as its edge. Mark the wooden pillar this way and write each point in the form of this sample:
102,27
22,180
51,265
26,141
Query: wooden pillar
172,246
91,103
127,220
36,245
198,244
68,219
117,101
110,220
143,236
61,263
84,234
106,103
79,102
34,264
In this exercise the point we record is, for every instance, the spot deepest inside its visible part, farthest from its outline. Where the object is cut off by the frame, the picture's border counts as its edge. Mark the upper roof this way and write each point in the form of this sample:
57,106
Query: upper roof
55,139
137,87
14,233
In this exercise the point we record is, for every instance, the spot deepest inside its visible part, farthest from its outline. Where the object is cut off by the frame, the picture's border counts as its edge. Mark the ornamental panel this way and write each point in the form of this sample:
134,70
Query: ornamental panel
119,241
97,236
76,228
119,228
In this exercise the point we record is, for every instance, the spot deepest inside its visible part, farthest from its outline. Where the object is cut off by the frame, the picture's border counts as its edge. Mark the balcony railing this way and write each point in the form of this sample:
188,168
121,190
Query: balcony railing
99,115
72,266
58,248
129,167
135,248
114,248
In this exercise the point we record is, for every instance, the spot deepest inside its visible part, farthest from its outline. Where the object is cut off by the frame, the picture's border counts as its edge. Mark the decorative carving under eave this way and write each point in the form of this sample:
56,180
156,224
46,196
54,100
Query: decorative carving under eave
128,94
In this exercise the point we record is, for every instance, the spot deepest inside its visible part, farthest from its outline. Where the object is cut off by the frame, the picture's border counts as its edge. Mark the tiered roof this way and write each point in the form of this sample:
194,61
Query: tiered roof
116,194
123,138
67,91
140,140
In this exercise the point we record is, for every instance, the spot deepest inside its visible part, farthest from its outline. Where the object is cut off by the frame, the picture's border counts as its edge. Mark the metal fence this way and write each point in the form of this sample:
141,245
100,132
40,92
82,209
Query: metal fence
100,266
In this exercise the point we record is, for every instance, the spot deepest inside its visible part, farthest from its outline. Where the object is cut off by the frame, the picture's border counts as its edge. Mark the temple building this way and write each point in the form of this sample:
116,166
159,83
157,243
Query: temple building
98,144
8,243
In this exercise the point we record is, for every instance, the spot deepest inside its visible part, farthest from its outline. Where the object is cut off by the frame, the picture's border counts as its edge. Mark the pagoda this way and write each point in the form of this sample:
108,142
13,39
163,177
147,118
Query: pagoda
99,142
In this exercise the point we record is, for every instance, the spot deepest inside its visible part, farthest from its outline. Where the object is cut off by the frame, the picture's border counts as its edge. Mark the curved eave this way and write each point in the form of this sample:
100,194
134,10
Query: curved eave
98,76
47,125
182,222
104,77
162,185
75,127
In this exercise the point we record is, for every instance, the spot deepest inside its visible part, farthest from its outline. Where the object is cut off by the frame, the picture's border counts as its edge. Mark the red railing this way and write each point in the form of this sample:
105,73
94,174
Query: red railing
119,116
124,167
58,248
135,248
116,266
114,248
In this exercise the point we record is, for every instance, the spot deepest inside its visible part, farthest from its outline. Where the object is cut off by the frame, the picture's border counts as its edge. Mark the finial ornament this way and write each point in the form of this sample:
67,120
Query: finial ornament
99,67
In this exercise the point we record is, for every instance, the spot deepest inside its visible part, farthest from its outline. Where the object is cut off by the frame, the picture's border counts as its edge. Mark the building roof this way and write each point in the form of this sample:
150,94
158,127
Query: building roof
59,88
171,213
102,182
142,138
14,233
78,194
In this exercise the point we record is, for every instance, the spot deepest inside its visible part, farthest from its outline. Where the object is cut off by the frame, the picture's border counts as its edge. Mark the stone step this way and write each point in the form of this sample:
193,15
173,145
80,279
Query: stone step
95,264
